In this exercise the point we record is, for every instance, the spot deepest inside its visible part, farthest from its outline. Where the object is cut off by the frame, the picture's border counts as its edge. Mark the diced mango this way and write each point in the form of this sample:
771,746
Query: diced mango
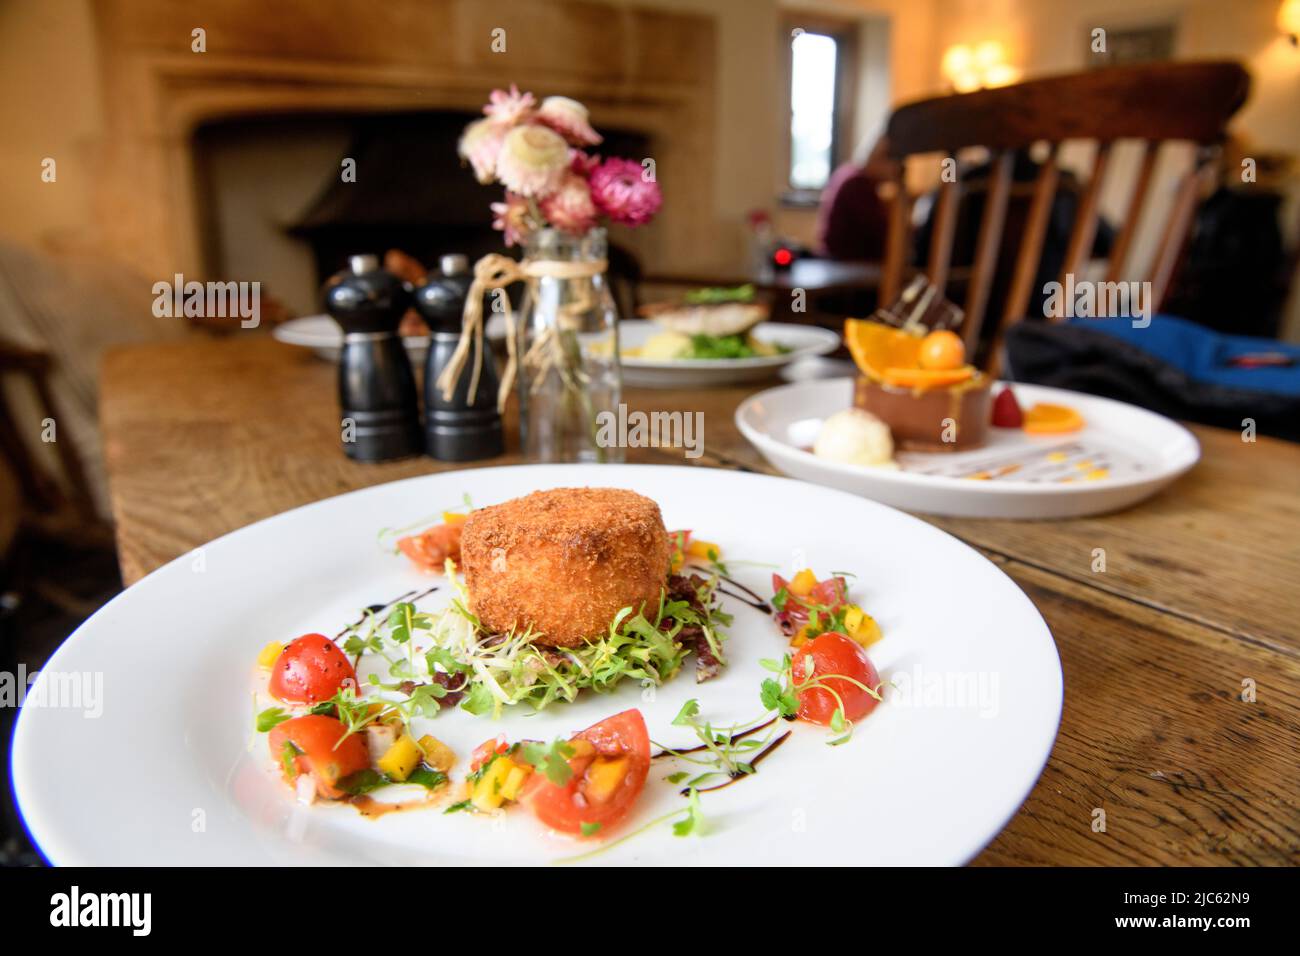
454,517
384,714
702,549
862,627
582,747
270,654
437,754
487,794
604,777
401,759
802,584
514,782
800,637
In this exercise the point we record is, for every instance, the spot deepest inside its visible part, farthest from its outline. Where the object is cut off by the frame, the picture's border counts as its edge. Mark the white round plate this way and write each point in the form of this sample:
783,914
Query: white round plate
1139,451
322,335
171,772
802,341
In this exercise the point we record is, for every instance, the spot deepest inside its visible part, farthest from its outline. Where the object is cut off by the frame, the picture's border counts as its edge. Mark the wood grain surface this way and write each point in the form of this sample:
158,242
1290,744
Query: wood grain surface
1198,599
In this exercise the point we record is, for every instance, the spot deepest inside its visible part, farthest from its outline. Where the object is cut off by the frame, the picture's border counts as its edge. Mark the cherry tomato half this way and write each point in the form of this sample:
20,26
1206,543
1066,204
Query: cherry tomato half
609,773
309,670
835,654
323,750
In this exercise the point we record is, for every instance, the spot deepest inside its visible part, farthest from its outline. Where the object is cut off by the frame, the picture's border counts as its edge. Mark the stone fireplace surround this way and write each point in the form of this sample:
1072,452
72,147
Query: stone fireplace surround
649,70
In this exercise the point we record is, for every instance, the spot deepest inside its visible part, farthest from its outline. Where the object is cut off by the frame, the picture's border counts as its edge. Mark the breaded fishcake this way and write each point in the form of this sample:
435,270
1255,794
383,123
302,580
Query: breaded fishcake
564,562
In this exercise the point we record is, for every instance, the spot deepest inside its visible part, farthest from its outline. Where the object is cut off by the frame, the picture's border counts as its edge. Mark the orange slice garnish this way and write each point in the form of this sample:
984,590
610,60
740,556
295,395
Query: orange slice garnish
876,347
926,377
1045,419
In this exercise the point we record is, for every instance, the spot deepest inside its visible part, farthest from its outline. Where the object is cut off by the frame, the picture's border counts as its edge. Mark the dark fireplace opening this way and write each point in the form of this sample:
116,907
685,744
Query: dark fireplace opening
411,192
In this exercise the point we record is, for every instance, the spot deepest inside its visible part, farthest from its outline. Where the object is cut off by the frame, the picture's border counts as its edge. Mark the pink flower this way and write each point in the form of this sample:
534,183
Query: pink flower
511,217
532,160
480,145
582,163
509,108
570,207
568,118
624,192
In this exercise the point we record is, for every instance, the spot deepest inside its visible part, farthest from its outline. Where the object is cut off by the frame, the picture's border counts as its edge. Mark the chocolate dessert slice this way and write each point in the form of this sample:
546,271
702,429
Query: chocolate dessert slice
951,418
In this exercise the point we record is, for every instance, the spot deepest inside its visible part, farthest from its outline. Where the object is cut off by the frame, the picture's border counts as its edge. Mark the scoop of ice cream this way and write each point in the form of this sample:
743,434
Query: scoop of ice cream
855,437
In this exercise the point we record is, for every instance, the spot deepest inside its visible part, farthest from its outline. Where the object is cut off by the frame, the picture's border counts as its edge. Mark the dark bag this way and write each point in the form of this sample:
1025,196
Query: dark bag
1172,367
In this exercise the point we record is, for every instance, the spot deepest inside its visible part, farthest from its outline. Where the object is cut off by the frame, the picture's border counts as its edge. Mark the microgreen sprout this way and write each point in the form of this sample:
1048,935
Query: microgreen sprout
692,822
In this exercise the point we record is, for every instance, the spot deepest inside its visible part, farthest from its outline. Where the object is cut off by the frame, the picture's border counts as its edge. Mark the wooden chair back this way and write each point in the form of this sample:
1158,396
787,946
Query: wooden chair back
63,501
1158,103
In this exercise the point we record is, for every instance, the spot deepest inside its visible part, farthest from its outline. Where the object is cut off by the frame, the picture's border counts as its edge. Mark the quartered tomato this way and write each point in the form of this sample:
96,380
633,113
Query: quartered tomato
321,749
429,550
309,670
610,767
835,654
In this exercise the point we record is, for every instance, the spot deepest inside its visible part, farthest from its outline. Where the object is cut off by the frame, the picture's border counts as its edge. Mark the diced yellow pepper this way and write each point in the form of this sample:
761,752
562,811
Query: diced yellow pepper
454,517
270,654
401,759
437,754
803,583
862,627
487,794
604,777
701,549
514,782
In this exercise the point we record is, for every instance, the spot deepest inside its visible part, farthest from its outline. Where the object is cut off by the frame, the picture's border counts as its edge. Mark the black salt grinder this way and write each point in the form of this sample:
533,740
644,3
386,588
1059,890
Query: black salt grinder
462,428
377,394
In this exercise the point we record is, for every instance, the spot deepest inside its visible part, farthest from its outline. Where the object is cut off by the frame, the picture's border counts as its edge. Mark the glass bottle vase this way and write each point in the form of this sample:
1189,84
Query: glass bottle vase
569,380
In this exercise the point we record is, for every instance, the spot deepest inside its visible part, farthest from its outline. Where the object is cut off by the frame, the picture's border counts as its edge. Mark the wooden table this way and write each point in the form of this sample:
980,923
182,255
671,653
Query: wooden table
1198,599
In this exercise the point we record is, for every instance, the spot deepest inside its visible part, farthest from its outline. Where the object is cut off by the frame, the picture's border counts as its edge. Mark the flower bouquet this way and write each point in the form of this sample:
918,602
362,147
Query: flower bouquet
539,153
564,350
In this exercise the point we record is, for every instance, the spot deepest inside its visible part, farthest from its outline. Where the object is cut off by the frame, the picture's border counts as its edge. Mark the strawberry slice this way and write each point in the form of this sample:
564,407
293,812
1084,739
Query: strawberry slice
1006,410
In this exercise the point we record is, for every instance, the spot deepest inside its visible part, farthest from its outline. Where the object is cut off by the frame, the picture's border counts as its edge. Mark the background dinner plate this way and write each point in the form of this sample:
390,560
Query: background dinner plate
802,340
322,335
172,773
1141,451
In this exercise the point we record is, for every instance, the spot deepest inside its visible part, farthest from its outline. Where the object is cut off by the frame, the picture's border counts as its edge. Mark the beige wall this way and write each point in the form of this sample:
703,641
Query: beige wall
50,106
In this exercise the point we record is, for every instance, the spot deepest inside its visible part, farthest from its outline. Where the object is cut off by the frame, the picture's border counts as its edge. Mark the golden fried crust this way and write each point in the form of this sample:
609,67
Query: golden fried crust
564,562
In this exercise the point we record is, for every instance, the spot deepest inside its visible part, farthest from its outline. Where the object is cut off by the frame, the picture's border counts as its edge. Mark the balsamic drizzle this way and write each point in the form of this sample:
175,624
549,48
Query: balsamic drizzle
740,775
753,599
734,737
756,605
411,596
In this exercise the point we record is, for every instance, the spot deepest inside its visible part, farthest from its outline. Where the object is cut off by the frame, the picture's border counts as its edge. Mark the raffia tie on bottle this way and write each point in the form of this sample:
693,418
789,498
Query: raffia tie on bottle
496,271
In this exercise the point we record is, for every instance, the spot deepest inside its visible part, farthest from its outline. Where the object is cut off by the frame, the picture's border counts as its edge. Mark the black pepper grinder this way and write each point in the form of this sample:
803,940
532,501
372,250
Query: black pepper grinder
377,394
463,428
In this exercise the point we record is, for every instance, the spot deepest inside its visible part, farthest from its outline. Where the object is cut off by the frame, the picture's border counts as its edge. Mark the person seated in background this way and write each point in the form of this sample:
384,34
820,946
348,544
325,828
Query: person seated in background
853,217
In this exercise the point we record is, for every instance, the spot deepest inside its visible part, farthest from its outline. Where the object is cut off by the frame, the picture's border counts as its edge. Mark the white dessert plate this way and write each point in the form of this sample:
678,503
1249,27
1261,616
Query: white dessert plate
1121,456
802,341
164,767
